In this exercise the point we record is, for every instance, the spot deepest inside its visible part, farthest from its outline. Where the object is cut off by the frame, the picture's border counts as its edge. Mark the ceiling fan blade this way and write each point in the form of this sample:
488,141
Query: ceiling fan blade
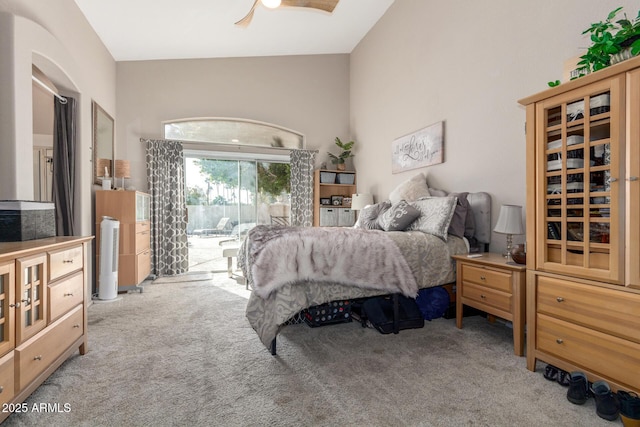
326,5
244,22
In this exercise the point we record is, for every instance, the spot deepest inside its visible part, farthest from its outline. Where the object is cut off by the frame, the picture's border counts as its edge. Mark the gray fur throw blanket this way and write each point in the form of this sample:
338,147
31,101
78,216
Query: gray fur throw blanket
274,256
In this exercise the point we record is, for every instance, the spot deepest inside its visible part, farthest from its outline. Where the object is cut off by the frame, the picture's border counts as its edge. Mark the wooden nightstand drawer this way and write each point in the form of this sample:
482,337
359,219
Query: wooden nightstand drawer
602,309
143,240
487,296
486,277
606,355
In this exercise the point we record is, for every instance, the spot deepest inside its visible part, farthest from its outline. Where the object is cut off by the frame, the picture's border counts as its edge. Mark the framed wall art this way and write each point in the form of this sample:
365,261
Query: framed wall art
424,147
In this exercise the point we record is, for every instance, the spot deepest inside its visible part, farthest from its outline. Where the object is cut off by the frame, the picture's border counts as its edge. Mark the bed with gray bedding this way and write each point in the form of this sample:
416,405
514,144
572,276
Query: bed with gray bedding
292,268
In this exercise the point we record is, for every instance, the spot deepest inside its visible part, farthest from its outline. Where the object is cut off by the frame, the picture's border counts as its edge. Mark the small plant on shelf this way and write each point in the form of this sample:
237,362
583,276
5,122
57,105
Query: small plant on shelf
344,155
611,41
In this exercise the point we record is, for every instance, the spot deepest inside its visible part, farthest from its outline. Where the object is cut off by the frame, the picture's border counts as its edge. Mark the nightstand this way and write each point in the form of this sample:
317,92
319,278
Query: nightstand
494,286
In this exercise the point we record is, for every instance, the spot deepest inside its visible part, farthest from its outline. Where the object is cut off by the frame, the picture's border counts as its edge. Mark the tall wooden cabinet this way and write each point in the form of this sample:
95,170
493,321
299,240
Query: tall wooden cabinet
131,208
331,192
43,311
583,226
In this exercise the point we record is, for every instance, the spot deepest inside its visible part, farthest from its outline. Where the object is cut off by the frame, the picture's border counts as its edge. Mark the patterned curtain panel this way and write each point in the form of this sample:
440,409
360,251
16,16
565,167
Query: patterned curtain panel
165,173
302,163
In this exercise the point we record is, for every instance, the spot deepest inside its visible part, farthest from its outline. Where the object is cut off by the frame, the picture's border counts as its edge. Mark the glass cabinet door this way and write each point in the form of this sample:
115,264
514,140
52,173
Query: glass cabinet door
32,297
142,207
7,307
579,139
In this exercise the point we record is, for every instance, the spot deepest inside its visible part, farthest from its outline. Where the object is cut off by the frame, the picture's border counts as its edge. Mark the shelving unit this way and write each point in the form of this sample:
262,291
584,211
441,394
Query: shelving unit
328,184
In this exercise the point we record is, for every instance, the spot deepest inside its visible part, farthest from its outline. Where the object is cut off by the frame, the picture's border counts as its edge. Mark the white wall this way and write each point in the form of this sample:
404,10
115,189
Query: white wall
466,63
56,37
308,94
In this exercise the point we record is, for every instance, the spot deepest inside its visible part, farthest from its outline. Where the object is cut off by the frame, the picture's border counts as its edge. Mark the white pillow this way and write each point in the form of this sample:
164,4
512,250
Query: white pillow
411,189
435,215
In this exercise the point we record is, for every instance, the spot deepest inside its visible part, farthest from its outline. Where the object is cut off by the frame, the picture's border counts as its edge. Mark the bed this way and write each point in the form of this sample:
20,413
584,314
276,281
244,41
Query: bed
290,269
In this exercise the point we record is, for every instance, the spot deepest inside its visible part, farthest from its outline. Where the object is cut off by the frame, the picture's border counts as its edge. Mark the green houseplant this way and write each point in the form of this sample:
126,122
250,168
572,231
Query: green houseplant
344,155
611,40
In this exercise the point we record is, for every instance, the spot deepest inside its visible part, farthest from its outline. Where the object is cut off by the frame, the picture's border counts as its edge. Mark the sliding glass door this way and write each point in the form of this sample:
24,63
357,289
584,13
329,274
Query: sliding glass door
228,197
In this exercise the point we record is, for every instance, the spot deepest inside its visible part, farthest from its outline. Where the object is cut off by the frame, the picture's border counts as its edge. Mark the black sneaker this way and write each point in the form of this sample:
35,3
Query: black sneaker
578,392
629,408
606,405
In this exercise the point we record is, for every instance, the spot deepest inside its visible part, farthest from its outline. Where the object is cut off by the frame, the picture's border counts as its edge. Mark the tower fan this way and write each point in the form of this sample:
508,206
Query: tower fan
109,238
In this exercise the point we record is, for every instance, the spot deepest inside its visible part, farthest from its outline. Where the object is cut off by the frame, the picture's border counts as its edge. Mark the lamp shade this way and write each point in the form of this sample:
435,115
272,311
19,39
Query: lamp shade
103,167
510,220
122,169
359,201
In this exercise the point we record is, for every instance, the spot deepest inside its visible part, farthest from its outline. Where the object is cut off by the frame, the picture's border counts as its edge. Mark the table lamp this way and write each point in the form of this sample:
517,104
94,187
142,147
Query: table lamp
509,223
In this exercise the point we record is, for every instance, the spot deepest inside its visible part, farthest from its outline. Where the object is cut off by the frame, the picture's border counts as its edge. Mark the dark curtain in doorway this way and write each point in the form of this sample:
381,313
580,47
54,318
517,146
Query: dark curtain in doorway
165,175
64,161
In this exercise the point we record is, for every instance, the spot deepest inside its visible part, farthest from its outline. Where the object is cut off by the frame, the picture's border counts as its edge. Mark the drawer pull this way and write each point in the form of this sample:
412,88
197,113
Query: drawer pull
26,301
1,389
67,261
483,278
482,296
76,326
633,178
37,358
70,294
560,299
16,305
559,340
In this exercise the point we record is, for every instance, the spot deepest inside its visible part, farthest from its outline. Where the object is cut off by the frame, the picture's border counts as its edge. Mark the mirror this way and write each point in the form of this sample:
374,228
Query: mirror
103,129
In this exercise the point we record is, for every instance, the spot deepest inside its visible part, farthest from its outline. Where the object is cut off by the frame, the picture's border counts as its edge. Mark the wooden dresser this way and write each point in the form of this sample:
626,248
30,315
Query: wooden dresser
583,226
131,208
43,311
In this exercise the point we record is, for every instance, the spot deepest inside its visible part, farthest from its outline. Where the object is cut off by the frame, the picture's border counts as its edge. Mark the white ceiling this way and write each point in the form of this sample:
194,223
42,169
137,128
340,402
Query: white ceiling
170,29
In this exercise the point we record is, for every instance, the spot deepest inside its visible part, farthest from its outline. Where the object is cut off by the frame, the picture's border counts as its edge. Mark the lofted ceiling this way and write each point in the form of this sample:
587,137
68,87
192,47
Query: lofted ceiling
169,29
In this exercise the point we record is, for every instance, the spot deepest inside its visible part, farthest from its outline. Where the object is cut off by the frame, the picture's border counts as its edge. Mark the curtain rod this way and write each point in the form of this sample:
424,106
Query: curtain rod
238,147
62,99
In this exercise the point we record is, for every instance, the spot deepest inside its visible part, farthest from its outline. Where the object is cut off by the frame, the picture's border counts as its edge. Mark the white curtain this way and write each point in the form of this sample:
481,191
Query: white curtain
165,174
302,164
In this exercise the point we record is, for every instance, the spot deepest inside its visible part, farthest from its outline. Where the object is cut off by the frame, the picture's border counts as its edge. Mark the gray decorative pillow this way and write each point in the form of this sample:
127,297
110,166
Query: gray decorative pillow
435,215
369,216
399,216
410,190
459,219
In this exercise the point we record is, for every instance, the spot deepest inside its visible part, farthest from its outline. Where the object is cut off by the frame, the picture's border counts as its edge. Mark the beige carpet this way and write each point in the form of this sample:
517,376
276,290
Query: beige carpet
182,354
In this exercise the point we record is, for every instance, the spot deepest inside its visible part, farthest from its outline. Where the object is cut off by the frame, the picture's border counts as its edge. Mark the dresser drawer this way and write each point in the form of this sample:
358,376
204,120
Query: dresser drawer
65,295
65,261
606,310
143,226
38,353
488,296
486,277
605,355
7,383
143,265
143,240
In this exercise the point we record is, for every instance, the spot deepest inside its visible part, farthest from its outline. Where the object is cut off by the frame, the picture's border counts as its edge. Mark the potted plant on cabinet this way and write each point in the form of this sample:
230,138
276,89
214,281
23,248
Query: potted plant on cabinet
611,41
344,155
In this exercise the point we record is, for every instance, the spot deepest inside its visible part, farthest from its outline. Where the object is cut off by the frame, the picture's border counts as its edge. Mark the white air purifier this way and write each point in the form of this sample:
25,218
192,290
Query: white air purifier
109,238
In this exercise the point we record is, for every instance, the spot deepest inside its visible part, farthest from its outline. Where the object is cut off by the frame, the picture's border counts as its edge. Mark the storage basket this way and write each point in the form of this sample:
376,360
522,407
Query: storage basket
327,177
346,178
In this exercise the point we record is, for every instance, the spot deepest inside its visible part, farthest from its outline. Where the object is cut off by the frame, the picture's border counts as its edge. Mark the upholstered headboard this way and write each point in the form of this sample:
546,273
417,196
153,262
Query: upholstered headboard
481,205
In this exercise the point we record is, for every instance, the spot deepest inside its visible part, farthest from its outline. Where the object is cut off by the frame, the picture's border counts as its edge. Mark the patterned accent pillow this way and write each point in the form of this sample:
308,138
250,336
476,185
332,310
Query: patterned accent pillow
399,216
369,217
435,215
410,190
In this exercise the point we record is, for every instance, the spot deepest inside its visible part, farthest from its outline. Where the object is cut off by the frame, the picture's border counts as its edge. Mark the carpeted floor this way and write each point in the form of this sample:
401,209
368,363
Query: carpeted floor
182,354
